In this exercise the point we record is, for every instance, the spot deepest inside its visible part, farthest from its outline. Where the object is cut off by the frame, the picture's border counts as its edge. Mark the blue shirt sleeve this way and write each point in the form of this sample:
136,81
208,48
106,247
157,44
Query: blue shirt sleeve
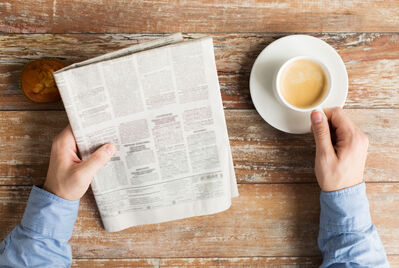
347,236
41,239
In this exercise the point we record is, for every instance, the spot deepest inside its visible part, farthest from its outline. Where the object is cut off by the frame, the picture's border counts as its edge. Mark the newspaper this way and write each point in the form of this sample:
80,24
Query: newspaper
160,104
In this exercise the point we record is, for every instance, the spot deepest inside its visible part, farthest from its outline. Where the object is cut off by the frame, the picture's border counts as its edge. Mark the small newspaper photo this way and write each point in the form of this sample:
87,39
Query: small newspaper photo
159,102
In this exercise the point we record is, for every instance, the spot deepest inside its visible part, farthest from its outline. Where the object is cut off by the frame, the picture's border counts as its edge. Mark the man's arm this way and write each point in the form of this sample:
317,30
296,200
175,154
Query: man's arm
41,240
347,236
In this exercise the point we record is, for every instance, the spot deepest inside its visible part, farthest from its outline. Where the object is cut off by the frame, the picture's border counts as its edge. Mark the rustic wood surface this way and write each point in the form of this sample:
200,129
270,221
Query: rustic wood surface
286,262
261,153
61,16
267,220
274,222
372,61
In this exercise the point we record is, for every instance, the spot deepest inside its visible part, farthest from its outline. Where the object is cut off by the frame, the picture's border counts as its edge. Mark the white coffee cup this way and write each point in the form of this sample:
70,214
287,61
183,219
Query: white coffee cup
277,86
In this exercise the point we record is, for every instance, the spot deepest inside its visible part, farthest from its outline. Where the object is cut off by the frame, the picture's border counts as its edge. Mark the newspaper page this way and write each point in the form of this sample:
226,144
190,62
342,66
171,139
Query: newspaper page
174,38
162,108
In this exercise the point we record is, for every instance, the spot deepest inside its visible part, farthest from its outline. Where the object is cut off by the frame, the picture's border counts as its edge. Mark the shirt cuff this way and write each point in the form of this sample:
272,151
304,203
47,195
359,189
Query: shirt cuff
345,210
50,215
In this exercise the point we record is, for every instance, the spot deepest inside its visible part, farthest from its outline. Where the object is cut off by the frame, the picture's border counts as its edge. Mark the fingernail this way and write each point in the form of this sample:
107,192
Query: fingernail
316,117
111,149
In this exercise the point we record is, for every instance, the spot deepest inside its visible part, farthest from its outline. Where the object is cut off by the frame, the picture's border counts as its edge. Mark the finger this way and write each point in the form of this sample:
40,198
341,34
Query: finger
64,144
66,132
66,139
321,132
344,128
338,118
98,159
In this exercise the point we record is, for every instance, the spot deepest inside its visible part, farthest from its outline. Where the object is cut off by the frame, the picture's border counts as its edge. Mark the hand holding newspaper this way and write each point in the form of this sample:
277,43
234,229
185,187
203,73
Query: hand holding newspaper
159,103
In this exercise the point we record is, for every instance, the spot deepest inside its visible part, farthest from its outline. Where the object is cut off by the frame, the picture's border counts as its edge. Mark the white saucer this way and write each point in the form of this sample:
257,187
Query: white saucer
267,65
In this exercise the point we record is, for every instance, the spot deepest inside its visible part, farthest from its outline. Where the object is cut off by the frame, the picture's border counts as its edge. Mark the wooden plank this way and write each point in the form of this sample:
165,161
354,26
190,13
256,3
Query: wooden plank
266,220
25,142
63,16
372,60
201,262
287,262
260,153
264,154
115,263
393,260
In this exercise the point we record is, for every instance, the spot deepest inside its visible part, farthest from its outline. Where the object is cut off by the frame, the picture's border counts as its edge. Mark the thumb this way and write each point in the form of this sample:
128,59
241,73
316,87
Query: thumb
321,132
98,159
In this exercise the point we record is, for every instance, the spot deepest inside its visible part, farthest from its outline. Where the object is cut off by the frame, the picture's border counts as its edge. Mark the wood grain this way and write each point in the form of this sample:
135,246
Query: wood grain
264,154
266,220
274,222
393,260
286,262
372,61
261,153
64,16
116,263
289,262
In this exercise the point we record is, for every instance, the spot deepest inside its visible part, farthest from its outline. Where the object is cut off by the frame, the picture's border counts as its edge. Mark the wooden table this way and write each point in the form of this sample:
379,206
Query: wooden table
275,219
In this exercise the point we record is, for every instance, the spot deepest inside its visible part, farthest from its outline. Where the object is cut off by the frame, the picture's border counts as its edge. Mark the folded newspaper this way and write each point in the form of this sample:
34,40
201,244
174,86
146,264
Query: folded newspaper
159,102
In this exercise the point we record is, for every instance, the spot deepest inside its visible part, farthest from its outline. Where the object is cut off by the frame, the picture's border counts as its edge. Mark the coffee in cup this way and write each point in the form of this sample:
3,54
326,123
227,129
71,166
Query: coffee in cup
303,83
